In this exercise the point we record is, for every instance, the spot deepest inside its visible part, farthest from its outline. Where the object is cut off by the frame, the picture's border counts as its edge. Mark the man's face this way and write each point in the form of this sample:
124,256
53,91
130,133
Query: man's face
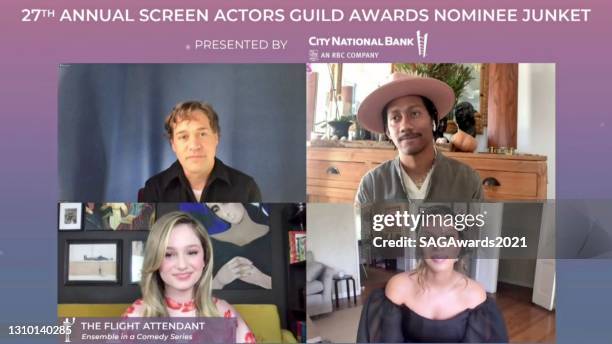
194,143
409,125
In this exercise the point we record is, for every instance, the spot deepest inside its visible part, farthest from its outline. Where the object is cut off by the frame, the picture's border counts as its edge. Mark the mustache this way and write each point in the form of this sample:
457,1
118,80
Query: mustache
409,135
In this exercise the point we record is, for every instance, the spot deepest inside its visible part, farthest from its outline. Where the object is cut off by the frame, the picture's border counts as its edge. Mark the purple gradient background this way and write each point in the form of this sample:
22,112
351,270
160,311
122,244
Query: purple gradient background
31,53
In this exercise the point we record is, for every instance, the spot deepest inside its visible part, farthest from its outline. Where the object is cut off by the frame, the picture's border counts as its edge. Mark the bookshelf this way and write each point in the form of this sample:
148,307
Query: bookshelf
296,258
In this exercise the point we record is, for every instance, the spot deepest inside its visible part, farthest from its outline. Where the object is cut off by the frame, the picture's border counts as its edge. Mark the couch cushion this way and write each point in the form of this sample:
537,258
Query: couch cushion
313,271
263,320
88,310
314,287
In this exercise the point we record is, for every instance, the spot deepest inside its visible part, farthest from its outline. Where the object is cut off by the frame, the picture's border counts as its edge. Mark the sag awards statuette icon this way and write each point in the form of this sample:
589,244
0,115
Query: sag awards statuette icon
67,323
422,43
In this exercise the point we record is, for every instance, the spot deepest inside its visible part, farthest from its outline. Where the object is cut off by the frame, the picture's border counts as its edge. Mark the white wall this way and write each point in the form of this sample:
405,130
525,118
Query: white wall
332,238
519,272
536,115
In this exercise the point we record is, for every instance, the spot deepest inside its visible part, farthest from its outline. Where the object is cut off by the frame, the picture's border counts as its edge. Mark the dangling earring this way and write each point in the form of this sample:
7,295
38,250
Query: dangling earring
434,125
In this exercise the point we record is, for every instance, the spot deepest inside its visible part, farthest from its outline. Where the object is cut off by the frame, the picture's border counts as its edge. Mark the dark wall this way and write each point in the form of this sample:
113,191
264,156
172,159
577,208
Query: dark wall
111,136
278,294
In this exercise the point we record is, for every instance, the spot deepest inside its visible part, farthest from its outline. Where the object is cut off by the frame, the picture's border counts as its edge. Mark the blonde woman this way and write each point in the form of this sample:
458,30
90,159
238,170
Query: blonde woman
434,303
177,275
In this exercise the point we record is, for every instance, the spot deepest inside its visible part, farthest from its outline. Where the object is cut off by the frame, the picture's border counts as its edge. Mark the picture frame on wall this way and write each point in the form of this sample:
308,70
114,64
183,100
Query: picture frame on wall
238,232
118,216
136,260
93,262
70,216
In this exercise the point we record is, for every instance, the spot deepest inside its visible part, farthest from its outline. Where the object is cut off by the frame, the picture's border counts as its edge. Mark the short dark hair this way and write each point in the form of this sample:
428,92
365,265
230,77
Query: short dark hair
429,106
182,111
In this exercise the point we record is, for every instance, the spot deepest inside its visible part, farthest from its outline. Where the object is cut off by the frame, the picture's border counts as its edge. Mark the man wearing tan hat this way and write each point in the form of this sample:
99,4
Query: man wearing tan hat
407,110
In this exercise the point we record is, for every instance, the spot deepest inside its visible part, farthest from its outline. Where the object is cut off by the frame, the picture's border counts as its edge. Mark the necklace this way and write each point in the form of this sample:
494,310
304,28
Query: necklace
421,179
182,306
451,284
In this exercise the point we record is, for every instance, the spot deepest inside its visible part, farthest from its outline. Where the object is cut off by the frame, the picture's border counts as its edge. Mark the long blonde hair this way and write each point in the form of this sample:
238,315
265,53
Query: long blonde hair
151,284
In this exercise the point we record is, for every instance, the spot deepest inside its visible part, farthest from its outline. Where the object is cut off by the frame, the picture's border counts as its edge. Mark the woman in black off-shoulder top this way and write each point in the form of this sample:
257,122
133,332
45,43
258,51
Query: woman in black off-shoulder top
435,303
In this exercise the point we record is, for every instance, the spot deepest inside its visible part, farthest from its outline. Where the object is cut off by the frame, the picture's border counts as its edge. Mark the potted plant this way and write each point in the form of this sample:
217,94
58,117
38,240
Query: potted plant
340,126
340,120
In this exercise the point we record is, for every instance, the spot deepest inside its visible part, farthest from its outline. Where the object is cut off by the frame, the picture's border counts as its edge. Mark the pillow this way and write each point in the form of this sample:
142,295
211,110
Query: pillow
314,287
313,271
263,320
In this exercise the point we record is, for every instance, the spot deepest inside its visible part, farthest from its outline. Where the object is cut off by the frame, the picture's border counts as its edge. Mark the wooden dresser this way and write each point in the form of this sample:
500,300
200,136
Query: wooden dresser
333,173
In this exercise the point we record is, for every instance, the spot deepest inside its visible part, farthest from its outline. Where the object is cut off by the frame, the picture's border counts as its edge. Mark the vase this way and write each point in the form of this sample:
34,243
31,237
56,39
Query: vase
340,128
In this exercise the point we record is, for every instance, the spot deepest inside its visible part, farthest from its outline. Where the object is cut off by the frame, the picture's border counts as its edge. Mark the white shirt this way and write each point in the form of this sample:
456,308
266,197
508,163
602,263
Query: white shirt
412,190
197,193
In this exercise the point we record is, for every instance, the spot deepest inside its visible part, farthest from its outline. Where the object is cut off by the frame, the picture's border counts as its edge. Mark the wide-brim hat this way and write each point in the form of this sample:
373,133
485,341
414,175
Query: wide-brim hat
370,111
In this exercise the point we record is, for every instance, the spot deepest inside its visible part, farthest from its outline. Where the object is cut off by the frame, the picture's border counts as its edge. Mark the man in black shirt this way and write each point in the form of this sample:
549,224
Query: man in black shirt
197,175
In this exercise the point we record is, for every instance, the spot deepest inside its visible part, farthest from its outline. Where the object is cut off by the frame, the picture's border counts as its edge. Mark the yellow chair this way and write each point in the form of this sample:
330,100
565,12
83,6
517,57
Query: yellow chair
91,310
265,323
263,320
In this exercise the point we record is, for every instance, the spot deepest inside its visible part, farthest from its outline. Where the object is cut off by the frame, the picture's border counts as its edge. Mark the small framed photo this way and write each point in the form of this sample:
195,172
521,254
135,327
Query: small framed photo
70,215
136,261
93,262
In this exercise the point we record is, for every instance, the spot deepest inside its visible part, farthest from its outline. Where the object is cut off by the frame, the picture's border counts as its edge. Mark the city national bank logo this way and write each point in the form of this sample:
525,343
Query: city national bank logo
365,47
67,330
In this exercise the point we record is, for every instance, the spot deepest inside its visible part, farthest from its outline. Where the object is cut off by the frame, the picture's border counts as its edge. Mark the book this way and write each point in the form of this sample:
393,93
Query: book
297,246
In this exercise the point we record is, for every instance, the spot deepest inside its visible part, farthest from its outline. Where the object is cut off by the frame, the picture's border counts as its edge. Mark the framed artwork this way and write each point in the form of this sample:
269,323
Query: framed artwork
93,262
70,215
119,216
136,260
241,238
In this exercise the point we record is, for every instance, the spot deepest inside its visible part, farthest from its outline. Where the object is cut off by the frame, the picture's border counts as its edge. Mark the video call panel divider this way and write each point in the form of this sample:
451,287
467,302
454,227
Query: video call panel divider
126,292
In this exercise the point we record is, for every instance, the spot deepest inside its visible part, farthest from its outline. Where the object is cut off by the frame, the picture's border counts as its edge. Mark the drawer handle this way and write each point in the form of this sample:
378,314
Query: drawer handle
490,181
332,170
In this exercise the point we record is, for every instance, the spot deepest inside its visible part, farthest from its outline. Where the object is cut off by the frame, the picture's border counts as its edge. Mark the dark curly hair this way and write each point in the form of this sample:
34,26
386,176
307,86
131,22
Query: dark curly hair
429,106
